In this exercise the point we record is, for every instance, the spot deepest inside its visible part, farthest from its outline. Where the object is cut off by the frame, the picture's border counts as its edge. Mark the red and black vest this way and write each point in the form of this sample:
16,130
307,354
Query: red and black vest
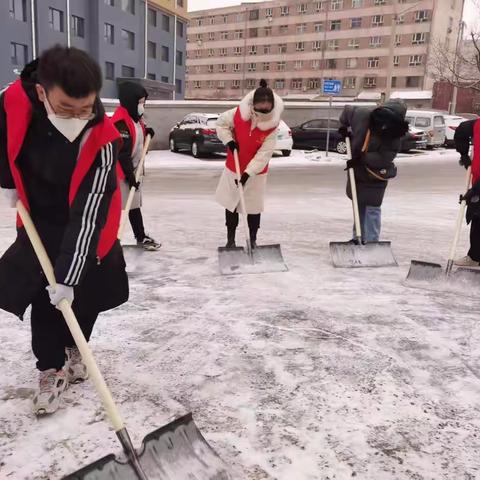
249,142
18,110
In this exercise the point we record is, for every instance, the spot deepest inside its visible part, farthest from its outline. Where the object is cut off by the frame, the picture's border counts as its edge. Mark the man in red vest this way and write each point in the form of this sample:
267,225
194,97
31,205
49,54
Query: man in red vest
58,155
251,129
467,133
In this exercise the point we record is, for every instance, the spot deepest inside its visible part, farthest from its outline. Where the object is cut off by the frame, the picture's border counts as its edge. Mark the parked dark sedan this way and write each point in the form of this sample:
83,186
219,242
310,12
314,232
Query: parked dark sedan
196,133
313,135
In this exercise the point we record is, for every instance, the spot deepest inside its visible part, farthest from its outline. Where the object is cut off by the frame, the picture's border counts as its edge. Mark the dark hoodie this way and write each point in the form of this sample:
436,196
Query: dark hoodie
129,94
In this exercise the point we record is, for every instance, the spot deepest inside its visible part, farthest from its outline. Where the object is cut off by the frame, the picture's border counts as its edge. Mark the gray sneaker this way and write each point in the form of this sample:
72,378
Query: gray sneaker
75,369
466,261
52,384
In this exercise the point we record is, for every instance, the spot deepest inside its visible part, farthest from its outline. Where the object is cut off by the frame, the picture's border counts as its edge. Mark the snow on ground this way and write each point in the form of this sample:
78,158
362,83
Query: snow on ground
316,373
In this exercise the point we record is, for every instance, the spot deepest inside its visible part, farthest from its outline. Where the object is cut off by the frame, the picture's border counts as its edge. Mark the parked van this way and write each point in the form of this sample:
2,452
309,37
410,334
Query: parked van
432,123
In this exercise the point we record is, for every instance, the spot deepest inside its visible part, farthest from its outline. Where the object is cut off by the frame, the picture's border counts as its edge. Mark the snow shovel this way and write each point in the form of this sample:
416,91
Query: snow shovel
354,253
176,451
426,271
239,260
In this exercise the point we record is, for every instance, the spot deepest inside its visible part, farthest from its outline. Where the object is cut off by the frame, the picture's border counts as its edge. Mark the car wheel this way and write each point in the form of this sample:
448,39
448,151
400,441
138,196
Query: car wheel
195,150
341,147
286,153
173,146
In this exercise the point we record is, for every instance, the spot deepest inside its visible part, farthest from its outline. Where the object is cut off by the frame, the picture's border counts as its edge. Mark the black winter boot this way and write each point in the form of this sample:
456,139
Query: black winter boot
230,237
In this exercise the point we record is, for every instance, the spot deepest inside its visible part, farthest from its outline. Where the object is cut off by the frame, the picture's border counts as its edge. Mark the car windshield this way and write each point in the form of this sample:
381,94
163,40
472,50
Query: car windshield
212,122
422,122
439,121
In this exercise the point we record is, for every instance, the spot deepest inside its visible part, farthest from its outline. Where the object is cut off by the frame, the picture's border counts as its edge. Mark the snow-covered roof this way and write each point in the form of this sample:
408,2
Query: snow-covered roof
412,95
369,96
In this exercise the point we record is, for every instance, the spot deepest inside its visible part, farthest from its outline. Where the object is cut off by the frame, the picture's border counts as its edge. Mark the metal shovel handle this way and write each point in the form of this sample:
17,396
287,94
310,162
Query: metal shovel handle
353,188
242,204
131,193
458,225
69,315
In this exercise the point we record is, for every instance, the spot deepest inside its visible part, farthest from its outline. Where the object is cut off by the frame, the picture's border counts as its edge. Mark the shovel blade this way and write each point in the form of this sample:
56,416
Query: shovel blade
264,259
467,275
350,255
176,451
424,271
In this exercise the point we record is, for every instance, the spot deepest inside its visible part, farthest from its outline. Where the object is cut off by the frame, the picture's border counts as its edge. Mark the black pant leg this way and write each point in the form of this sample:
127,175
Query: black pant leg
231,221
253,225
48,333
86,322
474,252
136,220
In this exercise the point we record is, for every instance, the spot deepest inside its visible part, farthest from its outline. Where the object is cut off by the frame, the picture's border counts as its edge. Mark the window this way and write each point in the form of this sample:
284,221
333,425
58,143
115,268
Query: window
316,45
418,38
297,84
415,60
438,121
251,83
370,82
128,6
236,84
253,33
268,31
199,37
225,18
211,84
333,44
269,12
421,16
349,82
356,22
18,54
413,82
284,11
377,20
211,52
396,61
224,35
18,10
332,63
300,46
393,83
279,84
373,62
180,29
400,19
78,26
179,58
108,33
318,27
351,62
55,19
211,20
237,34
320,6
237,51
197,84
180,3
379,2
335,25
164,79
302,9
267,49
266,66
375,42
281,66
210,68
282,48
315,64
236,67
128,71
199,21
152,49
252,67
128,39
357,3
298,65
221,84
313,84
398,40
239,17
301,28
223,52
111,3
254,14
252,50
166,54
336,4
165,23
151,76
109,71
222,68
152,17
354,43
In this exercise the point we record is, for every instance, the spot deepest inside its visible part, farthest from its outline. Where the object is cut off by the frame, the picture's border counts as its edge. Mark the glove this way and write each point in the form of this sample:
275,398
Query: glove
471,196
465,161
59,293
150,131
243,179
343,132
233,146
10,196
132,181
352,163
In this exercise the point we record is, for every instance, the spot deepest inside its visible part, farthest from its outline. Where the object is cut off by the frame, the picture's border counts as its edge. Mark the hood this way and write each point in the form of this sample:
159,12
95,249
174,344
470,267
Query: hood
246,111
29,80
397,107
129,93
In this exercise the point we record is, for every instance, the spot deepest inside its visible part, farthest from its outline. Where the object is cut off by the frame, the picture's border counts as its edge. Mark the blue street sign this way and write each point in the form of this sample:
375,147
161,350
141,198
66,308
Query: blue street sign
332,87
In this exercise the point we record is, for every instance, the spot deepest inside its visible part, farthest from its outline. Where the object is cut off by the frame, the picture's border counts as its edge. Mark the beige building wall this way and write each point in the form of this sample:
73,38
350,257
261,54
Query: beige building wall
368,44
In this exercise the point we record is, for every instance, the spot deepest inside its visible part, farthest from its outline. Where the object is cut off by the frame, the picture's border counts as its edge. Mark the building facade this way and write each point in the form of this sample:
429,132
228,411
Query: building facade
370,45
112,31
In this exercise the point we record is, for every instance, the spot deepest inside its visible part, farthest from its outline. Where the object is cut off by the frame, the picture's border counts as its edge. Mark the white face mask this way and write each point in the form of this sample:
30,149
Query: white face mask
70,128
141,109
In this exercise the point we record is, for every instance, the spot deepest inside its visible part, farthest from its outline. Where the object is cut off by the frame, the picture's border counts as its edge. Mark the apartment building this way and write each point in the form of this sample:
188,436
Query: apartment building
144,40
370,45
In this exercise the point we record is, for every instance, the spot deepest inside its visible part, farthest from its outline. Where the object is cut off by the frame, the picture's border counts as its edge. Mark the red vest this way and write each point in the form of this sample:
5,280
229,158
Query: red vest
121,113
476,153
249,142
18,110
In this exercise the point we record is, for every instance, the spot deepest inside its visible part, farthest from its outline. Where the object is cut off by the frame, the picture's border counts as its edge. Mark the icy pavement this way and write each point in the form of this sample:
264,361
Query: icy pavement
315,373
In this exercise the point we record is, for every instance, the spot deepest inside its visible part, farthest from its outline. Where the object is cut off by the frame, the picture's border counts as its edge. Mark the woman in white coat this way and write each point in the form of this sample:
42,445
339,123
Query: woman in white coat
251,129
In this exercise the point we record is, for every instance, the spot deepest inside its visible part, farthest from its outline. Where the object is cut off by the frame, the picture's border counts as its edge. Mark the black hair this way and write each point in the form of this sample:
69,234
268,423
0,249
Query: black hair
263,93
71,69
129,93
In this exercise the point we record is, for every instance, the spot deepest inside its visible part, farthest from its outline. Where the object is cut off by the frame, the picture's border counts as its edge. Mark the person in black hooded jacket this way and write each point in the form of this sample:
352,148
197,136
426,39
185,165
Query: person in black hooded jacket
375,140
128,118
